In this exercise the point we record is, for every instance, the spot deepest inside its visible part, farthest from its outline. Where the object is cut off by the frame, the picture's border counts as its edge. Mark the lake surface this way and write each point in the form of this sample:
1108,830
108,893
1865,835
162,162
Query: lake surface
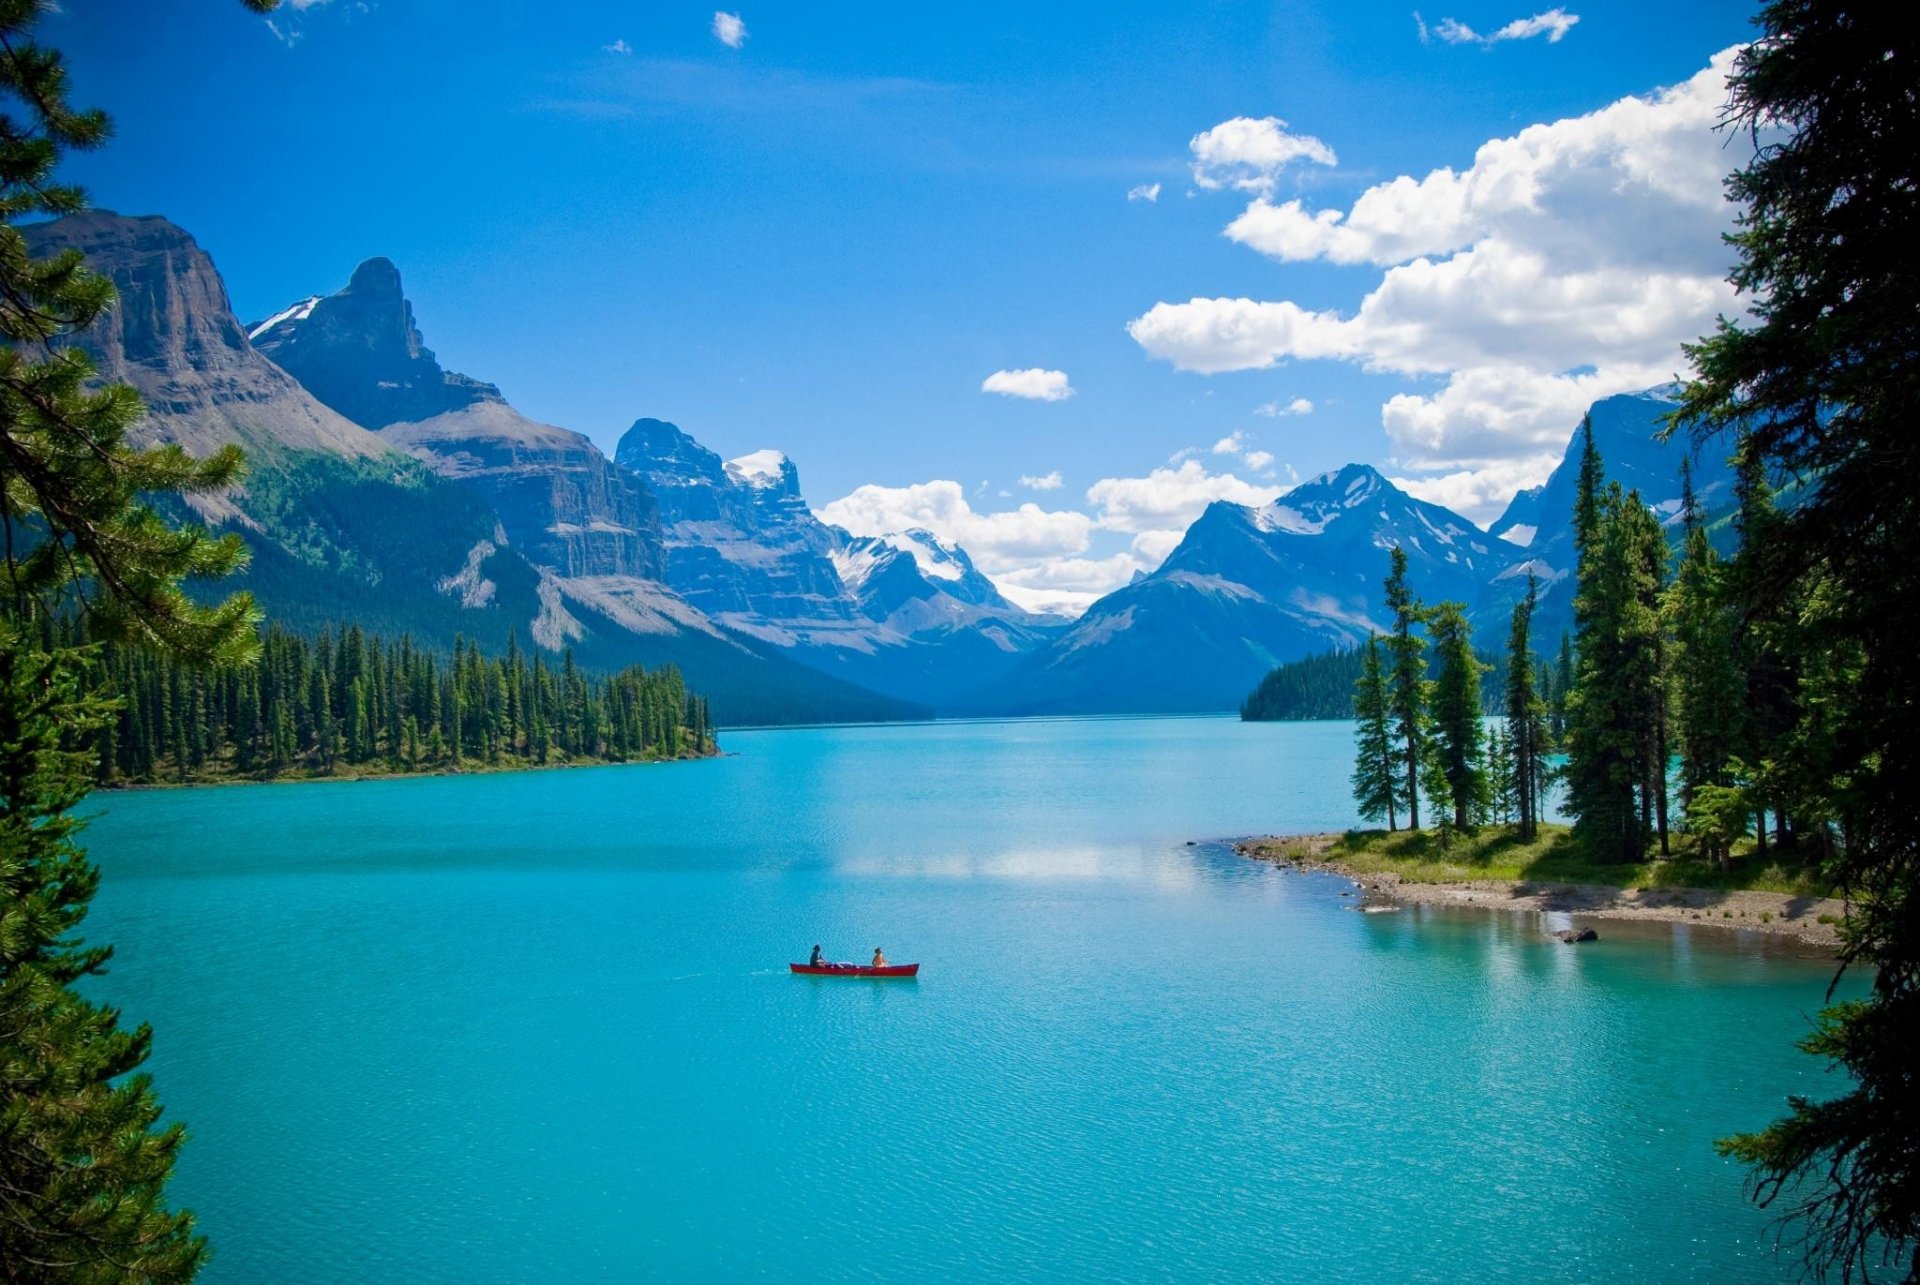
539,1027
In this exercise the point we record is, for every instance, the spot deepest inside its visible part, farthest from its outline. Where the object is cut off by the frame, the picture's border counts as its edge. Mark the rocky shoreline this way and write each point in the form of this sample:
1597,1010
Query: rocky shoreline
1809,921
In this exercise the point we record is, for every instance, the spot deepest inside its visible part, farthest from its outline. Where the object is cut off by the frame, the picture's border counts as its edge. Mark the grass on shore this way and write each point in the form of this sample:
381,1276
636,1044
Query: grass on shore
1497,852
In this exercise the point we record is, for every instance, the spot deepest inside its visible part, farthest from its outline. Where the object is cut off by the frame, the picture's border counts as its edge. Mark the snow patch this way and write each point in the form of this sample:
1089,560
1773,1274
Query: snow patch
1520,534
934,558
1284,517
1065,604
298,312
760,469
1211,584
855,565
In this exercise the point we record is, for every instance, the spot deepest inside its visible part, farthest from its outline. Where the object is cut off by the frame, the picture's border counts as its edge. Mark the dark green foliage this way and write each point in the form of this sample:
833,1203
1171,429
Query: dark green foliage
1503,793
1406,680
1616,710
84,1161
1824,387
1310,688
1454,704
1377,787
1322,687
72,491
1709,697
82,1165
361,703
1520,769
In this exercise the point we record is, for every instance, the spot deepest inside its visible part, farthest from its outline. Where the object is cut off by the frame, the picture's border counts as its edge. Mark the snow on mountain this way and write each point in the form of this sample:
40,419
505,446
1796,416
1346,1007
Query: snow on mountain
1246,589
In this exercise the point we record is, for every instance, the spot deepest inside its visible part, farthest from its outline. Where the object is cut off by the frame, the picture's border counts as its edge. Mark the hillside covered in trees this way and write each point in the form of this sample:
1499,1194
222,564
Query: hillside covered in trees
360,704
1322,687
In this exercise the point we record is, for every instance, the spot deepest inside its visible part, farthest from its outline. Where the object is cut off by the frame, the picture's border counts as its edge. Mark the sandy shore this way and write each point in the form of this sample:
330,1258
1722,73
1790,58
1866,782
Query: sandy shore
1810,921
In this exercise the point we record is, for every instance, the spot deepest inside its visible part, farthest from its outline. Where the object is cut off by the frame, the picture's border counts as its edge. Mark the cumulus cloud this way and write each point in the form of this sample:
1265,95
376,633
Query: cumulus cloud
1168,499
1248,154
1144,192
1035,384
997,541
1481,494
729,30
618,47
1554,24
1044,559
1567,262
1231,444
1276,410
1045,482
1259,461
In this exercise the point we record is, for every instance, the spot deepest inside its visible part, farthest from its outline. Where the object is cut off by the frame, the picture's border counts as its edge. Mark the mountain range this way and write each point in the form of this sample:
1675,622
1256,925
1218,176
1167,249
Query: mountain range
387,490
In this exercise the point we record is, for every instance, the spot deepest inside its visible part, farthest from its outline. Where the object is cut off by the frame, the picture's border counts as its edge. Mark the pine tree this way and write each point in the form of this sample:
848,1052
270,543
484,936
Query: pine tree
1377,788
1824,381
1523,774
1457,731
1503,800
1709,697
1407,680
1616,701
83,1165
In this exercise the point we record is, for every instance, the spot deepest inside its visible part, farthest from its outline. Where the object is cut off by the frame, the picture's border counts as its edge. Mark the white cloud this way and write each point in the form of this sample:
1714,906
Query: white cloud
1034,384
1046,556
1568,262
1168,499
1046,482
1274,410
1144,192
996,541
729,30
1481,494
1259,461
1231,444
1553,24
1248,154
618,47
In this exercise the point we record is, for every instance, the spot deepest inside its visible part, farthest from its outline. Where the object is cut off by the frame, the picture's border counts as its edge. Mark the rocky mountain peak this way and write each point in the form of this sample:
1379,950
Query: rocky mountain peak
173,336
359,351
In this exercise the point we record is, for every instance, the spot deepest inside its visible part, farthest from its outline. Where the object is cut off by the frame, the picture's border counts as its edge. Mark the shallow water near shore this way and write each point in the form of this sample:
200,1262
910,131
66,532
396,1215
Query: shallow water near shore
540,1026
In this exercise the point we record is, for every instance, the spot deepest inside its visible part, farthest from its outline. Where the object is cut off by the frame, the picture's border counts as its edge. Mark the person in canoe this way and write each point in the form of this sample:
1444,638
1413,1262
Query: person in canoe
814,960
879,960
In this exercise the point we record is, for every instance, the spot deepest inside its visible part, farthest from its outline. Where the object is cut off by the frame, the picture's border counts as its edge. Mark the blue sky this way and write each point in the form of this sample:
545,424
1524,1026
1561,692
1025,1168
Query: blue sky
824,232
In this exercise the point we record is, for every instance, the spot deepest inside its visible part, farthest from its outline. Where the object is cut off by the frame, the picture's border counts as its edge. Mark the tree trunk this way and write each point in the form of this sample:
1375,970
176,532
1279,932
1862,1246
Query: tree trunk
1660,782
1413,786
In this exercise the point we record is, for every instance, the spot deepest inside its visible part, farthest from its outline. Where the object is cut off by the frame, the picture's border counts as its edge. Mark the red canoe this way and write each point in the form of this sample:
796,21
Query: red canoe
856,970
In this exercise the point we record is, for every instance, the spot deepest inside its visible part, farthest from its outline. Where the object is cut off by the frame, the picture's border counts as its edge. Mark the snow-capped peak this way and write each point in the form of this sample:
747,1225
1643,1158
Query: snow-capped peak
298,312
933,556
759,469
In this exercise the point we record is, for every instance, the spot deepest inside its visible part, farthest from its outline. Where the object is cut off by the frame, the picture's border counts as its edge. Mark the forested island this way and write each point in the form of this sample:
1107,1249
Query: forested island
363,705
1322,686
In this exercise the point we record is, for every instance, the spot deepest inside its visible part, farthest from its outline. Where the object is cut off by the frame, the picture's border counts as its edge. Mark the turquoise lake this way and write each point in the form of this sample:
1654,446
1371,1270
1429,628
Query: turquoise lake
539,1027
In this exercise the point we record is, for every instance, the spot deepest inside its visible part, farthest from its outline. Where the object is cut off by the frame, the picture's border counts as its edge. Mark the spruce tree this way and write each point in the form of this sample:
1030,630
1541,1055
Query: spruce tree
1615,697
1407,680
1525,731
83,1160
1709,698
1377,787
1458,741
1825,382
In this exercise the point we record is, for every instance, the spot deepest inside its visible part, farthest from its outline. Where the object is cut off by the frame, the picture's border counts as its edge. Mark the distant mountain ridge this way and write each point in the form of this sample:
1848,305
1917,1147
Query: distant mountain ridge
344,527
389,489
1246,589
